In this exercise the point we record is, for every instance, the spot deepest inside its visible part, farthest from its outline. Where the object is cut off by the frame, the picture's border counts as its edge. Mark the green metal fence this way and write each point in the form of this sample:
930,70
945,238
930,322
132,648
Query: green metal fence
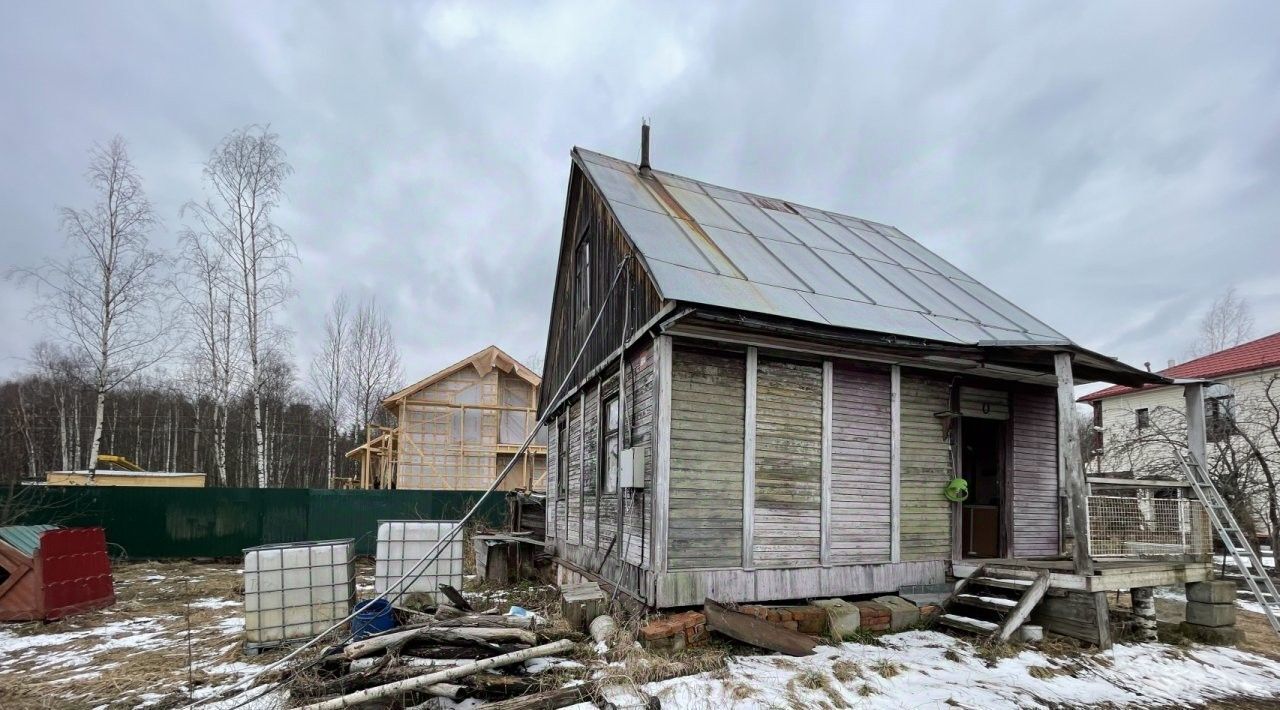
220,522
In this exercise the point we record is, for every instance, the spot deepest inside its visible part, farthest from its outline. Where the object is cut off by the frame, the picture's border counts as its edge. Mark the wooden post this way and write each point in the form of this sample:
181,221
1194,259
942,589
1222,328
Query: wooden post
895,463
1193,393
824,532
749,464
1071,466
662,454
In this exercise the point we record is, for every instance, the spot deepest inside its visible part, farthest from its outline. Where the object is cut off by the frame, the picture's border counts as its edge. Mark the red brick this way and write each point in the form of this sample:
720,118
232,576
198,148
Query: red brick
791,625
784,615
874,617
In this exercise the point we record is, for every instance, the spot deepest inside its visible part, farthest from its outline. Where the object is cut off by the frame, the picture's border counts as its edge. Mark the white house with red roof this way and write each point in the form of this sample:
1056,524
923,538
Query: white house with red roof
1245,381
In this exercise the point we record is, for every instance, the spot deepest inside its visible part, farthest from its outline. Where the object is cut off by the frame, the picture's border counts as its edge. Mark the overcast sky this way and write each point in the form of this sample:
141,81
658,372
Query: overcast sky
1110,167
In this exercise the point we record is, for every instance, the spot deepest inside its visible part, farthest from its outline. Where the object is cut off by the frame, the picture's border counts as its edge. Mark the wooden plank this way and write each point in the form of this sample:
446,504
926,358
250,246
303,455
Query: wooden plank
895,463
750,630
1071,465
749,461
1033,476
1102,619
788,463
824,545
662,452
1193,395
1030,598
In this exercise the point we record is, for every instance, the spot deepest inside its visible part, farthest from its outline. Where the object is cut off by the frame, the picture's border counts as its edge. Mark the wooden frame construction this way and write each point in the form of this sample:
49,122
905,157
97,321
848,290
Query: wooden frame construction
457,429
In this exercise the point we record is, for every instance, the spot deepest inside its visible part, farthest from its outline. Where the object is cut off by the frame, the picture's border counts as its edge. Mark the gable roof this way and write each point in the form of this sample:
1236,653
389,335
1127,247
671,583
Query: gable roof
714,246
1259,354
484,362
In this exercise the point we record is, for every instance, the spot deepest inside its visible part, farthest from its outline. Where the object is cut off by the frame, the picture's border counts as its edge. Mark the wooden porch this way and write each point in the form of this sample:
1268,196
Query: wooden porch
1107,576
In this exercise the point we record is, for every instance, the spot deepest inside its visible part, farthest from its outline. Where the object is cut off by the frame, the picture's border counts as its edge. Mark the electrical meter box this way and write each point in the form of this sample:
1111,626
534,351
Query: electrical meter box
631,468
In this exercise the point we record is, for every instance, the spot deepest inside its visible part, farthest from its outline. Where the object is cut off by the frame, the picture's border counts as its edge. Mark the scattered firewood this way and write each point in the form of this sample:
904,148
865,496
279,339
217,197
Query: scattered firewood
494,686
460,652
488,621
455,597
448,611
447,636
444,676
546,700
750,630
374,677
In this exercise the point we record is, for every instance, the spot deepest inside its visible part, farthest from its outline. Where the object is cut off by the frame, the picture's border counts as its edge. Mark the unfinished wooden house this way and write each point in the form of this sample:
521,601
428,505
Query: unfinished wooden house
754,400
457,429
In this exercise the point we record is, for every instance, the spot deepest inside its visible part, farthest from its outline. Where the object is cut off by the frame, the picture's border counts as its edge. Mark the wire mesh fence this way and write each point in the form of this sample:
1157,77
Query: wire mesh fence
1145,526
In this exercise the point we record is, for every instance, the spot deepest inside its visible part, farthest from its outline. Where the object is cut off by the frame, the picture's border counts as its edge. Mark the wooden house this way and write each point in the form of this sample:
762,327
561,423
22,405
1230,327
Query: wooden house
749,399
458,429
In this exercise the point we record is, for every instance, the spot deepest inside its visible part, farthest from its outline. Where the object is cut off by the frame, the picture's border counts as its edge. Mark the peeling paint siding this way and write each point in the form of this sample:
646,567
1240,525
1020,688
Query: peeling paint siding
707,433
788,477
1034,472
860,463
926,468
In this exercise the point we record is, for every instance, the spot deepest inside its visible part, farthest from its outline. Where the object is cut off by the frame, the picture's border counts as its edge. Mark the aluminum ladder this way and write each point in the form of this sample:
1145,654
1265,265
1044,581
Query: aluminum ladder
1233,538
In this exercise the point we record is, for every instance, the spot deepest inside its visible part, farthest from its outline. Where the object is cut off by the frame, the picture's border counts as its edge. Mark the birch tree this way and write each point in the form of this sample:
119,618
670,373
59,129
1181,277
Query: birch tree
103,298
328,376
1227,323
244,179
205,289
373,363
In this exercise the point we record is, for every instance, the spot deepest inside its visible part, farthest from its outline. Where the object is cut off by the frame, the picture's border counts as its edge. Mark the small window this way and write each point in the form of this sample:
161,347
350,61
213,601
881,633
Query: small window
608,468
1143,417
562,458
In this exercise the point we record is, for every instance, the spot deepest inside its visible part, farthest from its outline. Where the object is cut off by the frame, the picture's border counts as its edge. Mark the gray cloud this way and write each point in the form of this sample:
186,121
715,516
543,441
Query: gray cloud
1110,167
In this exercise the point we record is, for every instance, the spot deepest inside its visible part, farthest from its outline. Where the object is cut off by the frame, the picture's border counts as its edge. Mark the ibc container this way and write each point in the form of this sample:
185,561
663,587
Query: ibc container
401,543
296,590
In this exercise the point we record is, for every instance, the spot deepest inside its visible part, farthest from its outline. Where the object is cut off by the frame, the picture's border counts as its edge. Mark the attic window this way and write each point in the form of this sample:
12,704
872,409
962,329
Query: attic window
769,203
1142,417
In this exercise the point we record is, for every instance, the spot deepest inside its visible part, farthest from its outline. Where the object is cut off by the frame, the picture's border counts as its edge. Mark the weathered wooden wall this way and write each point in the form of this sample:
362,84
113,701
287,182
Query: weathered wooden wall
926,467
1034,472
861,447
707,410
634,303
788,464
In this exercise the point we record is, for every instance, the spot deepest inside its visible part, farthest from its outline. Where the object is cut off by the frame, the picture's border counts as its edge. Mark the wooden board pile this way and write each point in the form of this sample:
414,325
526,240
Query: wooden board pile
469,651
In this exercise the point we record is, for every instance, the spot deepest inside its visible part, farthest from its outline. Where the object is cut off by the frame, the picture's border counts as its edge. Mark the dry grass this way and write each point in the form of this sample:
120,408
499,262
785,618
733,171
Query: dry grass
846,671
886,668
140,645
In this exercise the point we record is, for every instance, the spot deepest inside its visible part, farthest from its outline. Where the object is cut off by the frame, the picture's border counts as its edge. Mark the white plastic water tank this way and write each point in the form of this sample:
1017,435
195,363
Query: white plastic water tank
401,543
296,590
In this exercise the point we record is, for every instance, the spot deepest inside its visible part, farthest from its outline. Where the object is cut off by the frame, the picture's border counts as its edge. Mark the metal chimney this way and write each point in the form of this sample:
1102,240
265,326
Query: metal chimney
644,145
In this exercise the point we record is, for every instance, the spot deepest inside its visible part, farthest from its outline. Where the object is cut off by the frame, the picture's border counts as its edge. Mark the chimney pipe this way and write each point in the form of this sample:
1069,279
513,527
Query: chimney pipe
1148,365
644,145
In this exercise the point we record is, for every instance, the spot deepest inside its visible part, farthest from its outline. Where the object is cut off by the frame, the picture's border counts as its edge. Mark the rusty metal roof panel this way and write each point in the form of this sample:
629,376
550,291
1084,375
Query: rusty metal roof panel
24,538
716,246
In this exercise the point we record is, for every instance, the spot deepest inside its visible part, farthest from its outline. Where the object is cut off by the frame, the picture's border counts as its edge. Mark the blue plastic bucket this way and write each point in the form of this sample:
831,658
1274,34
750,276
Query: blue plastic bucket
372,617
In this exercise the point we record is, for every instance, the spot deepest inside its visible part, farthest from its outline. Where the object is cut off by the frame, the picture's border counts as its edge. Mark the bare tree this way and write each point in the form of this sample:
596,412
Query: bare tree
328,375
245,179
104,298
373,364
1227,323
206,290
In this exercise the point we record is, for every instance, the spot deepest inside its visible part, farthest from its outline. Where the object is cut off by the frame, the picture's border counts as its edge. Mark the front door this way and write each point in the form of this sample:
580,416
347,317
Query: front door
982,464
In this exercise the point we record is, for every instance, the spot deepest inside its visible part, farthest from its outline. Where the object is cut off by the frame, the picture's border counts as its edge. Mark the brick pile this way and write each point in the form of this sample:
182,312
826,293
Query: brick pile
874,616
674,632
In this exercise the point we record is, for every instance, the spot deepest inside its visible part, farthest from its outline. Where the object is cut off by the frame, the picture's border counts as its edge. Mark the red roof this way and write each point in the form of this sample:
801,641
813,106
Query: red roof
1257,354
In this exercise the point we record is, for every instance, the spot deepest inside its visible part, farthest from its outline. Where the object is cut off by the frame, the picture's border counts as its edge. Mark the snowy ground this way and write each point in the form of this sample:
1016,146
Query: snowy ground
135,653
926,669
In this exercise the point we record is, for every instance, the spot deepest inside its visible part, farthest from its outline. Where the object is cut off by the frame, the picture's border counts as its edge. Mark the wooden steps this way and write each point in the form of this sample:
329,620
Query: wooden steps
991,604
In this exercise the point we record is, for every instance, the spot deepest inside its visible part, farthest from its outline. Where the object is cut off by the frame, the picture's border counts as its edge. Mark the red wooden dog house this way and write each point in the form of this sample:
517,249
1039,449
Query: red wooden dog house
49,573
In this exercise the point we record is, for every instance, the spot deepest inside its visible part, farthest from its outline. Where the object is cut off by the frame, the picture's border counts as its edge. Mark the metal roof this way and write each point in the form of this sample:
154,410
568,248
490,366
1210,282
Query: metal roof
714,246
24,538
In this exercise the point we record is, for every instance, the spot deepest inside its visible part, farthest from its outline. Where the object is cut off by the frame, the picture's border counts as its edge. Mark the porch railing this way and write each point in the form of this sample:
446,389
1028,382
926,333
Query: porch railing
1144,526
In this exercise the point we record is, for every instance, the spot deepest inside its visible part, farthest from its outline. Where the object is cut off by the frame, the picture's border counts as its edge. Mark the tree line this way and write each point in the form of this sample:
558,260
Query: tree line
177,360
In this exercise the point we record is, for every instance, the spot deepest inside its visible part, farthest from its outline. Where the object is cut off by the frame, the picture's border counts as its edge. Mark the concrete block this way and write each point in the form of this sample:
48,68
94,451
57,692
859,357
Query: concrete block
904,613
843,618
1211,614
1216,635
1217,592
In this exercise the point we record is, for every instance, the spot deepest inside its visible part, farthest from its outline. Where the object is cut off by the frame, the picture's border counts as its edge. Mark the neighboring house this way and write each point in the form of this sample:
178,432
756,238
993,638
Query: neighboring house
1244,391
458,429
754,400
